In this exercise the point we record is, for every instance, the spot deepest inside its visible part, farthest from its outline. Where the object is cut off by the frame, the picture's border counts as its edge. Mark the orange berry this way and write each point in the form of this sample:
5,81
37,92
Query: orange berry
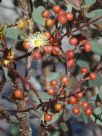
85,105
58,107
48,49
69,16
84,70
72,100
26,45
56,50
65,81
73,41
54,82
49,22
80,95
92,76
18,93
47,117
76,110
88,47
71,63
88,111
51,91
45,14
70,54
62,19
61,12
56,8
47,34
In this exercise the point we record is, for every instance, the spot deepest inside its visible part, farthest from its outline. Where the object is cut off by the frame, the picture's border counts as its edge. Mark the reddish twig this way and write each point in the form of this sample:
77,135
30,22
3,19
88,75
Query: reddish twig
81,27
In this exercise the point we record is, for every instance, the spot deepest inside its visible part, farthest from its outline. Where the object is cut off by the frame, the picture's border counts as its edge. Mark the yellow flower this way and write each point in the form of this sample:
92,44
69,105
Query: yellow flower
38,39
5,62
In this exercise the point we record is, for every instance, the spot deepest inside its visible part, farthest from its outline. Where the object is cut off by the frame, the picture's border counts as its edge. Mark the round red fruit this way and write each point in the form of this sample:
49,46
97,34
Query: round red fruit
49,22
72,100
88,111
26,45
85,105
88,47
73,41
70,54
71,63
56,50
79,95
47,34
83,70
45,14
61,12
58,107
65,81
48,49
92,76
18,93
53,82
51,91
56,8
76,110
69,16
62,19
47,117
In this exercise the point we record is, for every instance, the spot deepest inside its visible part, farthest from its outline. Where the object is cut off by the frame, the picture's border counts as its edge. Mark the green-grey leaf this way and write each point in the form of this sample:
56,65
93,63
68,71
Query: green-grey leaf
5,72
96,47
83,63
95,14
96,119
72,81
53,75
43,95
12,33
37,16
90,2
69,8
97,82
100,93
98,111
64,127
96,116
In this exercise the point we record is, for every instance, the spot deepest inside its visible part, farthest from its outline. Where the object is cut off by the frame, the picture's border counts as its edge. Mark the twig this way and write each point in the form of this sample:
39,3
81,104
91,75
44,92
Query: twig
81,27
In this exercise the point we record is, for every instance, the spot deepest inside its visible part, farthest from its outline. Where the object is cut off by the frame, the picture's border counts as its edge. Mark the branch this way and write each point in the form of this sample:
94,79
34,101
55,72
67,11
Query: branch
81,27
26,7
26,81
23,56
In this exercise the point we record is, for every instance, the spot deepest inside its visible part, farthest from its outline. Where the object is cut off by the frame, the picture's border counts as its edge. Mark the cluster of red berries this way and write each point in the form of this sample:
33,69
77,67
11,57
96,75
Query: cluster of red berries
91,76
58,107
48,49
54,83
62,16
73,41
74,100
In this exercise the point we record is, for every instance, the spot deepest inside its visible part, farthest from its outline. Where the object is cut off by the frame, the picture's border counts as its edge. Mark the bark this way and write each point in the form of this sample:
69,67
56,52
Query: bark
26,7
25,129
